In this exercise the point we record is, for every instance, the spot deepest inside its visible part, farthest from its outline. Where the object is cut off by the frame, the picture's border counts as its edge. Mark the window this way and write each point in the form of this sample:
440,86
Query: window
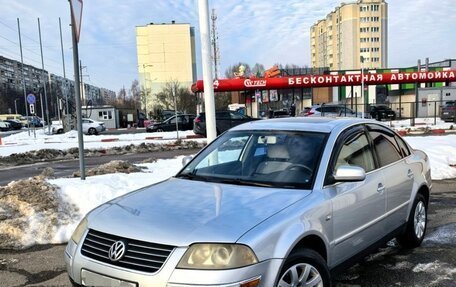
105,115
356,151
386,147
403,147
173,120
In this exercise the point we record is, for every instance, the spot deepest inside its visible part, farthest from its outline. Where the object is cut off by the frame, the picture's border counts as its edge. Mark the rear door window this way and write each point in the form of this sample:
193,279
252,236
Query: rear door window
385,145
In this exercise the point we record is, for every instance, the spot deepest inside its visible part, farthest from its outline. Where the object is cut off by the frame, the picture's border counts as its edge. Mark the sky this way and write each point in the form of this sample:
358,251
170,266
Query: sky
251,31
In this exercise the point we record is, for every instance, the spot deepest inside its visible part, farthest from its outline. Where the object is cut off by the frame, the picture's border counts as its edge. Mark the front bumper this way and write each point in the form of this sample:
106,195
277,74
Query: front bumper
168,275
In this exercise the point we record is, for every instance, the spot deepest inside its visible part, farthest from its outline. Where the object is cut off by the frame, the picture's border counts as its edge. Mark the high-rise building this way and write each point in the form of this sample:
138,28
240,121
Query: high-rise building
351,31
166,53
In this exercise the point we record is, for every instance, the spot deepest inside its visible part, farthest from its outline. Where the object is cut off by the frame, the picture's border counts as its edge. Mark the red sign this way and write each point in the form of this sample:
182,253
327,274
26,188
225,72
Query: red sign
308,81
76,16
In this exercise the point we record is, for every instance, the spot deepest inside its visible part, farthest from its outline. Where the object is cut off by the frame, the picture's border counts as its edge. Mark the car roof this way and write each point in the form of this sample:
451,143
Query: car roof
325,125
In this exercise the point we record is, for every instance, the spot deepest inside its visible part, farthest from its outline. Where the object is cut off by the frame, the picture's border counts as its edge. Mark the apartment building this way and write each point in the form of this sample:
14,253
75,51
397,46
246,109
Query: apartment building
166,52
351,31
35,78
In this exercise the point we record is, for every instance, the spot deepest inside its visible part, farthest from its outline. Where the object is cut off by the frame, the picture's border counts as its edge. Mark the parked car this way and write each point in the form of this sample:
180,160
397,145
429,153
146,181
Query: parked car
34,121
4,126
281,202
449,112
382,112
224,121
15,124
57,128
280,114
92,127
331,110
185,122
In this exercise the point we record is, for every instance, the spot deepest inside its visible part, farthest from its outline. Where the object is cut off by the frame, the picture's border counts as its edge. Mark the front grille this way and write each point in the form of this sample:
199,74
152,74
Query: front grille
139,255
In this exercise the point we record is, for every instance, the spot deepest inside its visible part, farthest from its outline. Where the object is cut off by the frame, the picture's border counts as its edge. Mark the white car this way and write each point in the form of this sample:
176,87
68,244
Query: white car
92,127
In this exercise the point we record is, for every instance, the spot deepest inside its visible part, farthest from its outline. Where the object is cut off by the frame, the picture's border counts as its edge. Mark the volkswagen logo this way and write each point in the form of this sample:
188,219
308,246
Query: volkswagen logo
117,251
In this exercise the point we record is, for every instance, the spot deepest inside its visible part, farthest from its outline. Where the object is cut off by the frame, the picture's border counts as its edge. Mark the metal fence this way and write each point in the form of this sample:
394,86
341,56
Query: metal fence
402,110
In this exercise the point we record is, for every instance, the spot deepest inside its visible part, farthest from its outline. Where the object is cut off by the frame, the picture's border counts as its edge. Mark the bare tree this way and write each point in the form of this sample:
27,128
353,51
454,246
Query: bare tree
258,70
186,100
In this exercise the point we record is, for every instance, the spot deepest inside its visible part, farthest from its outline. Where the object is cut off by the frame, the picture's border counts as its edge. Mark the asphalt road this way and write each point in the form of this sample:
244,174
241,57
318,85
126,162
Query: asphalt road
67,167
432,264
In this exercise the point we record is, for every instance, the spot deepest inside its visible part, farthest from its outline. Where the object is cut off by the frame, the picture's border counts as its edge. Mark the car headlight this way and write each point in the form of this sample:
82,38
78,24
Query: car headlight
217,256
79,231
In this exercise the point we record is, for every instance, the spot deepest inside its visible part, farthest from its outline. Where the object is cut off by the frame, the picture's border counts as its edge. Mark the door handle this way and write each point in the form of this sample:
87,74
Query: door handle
410,173
380,188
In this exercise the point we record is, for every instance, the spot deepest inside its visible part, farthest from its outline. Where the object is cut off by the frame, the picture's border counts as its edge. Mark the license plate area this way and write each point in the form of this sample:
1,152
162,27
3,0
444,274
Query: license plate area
94,279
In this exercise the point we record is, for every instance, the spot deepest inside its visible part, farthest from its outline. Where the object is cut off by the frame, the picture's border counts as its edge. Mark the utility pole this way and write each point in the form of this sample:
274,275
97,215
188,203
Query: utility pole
23,76
214,41
209,100
64,74
44,81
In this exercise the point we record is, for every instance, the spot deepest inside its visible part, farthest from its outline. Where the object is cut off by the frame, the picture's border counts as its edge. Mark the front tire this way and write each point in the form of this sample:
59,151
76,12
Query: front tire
416,225
92,131
304,267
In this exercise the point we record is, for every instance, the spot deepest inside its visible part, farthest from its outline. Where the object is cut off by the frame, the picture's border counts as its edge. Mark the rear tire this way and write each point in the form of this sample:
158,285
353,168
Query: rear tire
304,267
159,130
416,225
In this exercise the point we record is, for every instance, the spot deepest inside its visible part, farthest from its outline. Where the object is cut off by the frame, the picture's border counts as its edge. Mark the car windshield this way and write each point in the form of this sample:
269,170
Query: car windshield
260,158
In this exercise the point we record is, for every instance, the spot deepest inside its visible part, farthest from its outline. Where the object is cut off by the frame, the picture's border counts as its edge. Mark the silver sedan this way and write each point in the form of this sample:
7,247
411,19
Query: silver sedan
283,202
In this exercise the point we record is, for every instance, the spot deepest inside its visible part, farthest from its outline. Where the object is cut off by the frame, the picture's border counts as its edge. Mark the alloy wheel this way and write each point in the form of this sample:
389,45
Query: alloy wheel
419,221
301,275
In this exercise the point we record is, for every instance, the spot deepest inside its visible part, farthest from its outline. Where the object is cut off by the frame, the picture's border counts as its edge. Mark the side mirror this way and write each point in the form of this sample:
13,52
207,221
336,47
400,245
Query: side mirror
349,173
186,160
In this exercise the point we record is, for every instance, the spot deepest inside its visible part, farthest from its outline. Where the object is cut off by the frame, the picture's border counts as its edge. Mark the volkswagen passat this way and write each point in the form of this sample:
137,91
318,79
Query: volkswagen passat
282,202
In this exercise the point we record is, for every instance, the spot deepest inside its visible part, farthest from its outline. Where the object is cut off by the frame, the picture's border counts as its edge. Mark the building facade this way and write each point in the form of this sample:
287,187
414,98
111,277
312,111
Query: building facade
166,53
35,79
351,31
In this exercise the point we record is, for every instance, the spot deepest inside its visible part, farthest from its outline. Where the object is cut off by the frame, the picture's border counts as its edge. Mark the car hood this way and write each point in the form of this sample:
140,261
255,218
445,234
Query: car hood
180,212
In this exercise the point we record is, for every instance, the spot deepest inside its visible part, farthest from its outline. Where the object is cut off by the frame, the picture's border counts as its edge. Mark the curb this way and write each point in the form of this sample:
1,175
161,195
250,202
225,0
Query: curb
109,140
425,132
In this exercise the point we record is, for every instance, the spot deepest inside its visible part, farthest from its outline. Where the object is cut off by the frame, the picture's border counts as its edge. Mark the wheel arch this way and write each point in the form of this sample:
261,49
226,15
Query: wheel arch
314,242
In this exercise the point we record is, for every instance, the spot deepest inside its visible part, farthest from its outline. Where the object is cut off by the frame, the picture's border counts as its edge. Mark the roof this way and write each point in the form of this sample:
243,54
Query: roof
311,124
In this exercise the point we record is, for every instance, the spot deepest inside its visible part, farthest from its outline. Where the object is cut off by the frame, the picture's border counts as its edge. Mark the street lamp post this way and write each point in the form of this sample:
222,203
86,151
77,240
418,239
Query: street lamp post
362,85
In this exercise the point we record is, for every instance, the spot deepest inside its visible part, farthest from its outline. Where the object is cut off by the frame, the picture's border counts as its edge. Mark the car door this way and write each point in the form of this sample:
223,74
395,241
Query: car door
357,206
397,171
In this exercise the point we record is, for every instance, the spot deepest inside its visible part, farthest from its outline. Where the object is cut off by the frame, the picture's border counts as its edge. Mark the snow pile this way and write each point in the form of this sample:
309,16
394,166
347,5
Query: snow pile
34,156
30,211
115,166
22,142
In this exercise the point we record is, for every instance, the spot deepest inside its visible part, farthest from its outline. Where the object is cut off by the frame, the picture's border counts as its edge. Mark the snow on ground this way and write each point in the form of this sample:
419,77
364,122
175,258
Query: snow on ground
22,142
420,124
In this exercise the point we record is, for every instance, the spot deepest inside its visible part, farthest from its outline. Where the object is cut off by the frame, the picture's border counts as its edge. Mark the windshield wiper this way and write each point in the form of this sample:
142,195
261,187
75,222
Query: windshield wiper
191,176
244,182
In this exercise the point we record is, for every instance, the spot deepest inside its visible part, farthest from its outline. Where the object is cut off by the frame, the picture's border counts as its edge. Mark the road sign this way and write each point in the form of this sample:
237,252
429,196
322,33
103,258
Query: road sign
32,109
76,14
31,99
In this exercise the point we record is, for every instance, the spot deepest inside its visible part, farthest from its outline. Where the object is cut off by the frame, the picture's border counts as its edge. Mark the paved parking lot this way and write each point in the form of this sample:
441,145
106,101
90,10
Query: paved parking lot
433,264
